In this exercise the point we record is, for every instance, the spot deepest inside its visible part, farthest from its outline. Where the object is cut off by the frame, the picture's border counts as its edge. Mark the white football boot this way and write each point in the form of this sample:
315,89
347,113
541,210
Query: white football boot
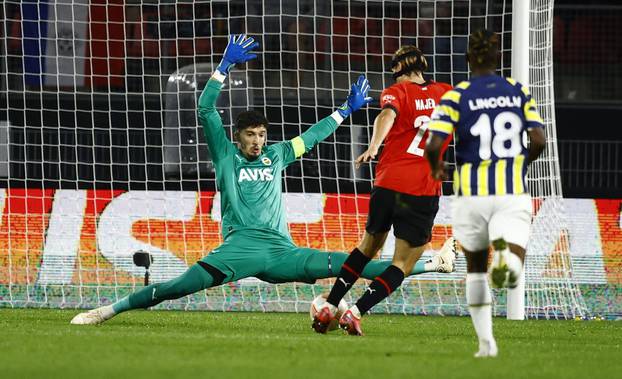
445,260
487,349
94,316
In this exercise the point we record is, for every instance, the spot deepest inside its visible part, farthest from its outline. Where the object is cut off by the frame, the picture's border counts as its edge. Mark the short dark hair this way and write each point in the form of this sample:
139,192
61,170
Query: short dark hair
250,118
483,49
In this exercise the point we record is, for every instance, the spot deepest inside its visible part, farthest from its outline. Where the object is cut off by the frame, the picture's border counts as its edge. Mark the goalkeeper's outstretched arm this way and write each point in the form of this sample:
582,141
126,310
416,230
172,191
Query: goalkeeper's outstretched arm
357,99
239,50
209,118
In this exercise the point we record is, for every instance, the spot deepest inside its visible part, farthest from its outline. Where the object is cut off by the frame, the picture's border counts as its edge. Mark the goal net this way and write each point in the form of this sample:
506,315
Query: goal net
102,156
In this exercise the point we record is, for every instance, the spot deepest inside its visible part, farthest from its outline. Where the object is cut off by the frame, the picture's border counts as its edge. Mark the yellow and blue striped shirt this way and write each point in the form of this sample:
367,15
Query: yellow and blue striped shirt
489,115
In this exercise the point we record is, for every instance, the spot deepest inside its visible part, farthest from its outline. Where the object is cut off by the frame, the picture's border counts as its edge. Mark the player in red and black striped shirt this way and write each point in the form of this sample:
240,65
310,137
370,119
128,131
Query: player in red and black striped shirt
404,195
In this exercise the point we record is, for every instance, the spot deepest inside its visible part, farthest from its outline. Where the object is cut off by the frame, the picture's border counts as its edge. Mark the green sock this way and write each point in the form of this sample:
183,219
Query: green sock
327,265
376,267
193,280
419,267
121,305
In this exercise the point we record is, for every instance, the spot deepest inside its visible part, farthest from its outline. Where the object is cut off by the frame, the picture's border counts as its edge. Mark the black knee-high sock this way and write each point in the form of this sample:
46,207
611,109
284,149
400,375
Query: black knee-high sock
380,288
350,272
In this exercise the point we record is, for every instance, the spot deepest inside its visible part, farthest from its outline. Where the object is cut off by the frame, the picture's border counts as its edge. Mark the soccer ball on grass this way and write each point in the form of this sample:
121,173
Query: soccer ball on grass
319,302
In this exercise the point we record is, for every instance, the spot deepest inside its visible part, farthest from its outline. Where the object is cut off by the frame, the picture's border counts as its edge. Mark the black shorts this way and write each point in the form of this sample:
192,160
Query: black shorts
412,216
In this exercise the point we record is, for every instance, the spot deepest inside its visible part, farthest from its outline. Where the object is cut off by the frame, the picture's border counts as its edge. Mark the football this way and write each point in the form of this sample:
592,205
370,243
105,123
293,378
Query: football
319,302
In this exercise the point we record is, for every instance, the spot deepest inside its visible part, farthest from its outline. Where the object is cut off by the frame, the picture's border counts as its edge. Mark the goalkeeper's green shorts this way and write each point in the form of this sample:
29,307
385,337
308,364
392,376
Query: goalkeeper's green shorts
267,256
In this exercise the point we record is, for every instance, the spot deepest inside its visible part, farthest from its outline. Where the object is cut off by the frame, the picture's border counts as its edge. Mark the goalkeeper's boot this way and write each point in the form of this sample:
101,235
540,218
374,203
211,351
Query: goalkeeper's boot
350,323
487,349
322,320
445,260
94,316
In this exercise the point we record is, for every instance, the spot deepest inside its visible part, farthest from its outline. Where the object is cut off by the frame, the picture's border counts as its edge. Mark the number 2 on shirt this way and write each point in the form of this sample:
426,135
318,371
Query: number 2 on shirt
421,124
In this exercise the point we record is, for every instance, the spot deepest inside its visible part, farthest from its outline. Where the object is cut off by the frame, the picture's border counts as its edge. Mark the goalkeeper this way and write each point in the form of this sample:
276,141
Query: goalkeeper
256,239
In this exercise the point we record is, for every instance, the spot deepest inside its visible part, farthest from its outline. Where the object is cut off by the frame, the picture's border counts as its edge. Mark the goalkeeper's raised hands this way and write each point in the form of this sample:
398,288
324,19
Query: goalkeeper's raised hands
357,98
239,50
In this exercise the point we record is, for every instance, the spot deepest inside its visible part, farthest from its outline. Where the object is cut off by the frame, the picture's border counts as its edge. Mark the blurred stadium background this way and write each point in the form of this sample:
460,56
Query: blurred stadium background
97,121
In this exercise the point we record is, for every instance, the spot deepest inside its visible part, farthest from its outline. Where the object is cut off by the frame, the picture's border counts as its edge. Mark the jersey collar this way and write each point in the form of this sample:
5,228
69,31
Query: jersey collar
424,84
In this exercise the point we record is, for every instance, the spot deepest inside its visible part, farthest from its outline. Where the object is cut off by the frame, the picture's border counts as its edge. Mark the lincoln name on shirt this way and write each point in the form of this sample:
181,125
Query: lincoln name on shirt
495,102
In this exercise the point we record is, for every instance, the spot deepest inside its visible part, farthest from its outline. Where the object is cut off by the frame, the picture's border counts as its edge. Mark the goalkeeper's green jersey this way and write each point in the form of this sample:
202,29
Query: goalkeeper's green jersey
250,191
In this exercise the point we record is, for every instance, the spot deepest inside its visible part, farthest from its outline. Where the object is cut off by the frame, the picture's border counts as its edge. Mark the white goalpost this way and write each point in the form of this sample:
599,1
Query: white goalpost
532,65
104,155
520,72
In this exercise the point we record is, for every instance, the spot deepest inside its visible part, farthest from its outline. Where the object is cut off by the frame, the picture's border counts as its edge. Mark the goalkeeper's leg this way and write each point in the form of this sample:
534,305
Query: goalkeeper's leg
199,276
321,265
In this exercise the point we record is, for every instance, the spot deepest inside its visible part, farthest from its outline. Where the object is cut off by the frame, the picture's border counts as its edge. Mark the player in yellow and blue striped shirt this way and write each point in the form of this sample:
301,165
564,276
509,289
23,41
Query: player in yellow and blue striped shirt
488,114
490,117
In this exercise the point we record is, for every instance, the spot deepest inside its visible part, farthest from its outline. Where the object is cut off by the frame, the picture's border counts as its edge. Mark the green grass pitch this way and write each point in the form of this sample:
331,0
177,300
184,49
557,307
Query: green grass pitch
170,344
